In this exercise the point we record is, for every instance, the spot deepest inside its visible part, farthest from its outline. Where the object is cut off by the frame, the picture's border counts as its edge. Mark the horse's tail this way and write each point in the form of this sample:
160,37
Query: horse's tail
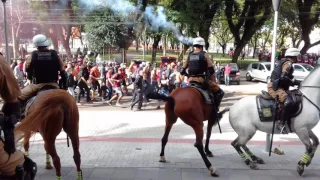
45,109
162,97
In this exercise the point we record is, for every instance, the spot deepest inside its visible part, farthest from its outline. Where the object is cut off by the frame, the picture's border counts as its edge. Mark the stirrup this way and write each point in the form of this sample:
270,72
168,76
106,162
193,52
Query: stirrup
283,130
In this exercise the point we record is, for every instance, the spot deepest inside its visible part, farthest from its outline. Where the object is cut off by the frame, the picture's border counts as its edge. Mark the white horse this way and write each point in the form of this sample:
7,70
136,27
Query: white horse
244,119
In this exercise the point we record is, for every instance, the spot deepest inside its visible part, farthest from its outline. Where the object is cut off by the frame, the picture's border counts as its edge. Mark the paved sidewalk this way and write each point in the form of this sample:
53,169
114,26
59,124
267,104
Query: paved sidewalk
178,174
140,160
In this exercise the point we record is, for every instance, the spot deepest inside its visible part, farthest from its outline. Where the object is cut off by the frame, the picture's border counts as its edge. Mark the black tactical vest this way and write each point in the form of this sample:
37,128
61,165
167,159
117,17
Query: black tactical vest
276,74
197,64
45,66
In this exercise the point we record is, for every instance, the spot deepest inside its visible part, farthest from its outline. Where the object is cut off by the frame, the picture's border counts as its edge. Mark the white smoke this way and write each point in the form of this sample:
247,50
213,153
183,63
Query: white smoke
155,18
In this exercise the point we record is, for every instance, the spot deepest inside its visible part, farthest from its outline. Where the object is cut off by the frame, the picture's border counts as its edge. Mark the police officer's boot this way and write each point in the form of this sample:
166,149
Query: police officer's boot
30,167
285,115
20,172
217,101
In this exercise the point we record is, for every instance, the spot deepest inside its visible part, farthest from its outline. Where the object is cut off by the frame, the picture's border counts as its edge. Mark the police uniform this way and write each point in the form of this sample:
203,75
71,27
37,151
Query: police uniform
277,86
281,79
42,69
9,91
138,92
199,64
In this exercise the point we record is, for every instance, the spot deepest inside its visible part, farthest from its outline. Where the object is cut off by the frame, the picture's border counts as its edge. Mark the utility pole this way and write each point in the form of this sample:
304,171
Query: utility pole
6,30
276,7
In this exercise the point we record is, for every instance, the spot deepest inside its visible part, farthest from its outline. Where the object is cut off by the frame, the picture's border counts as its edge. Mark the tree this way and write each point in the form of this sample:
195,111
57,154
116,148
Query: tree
254,42
244,19
105,30
56,11
195,16
309,13
221,31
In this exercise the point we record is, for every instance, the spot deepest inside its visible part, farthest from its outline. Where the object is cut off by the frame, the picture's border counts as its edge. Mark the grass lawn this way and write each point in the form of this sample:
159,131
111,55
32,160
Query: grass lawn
217,57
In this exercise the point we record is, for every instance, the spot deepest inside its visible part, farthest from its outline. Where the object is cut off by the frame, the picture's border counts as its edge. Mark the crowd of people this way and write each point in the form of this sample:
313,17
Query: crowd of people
108,81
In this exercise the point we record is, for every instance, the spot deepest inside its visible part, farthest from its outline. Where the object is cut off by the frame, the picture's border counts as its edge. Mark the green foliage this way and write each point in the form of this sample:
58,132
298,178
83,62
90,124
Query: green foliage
103,29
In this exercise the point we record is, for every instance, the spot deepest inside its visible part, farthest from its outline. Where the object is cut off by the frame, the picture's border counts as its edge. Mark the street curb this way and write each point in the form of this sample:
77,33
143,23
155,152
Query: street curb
242,93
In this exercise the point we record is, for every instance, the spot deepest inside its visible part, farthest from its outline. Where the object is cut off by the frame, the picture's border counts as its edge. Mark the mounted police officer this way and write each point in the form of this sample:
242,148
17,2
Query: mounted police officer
281,79
201,70
13,164
42,68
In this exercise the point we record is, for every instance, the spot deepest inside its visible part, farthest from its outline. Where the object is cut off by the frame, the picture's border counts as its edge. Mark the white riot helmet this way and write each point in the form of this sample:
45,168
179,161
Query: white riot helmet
199,41
292,52
40,40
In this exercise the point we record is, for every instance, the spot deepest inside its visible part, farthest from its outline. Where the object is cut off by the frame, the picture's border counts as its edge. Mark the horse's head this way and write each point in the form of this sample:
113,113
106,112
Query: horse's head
313,79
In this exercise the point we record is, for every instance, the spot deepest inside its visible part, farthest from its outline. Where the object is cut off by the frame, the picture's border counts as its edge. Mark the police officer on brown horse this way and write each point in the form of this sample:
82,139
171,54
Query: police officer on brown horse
281,79
201,70
42,68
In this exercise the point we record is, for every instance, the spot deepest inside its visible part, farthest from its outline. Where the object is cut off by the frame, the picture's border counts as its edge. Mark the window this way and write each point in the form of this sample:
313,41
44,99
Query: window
268,66
261,67
254,66
298,68
308,67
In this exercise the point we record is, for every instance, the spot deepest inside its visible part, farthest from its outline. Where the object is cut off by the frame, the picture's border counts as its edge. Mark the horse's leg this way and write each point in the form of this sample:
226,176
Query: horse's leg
305,139
26,143
252,156
315,143
170,120
236,144
199,137
74,136
48,161
209,129
51,149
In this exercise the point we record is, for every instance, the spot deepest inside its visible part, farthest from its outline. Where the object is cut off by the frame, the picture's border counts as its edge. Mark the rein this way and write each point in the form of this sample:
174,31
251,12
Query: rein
317,87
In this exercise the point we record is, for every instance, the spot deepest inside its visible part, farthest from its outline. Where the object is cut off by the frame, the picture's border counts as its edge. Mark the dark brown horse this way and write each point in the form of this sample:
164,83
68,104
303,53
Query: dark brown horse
52,111
188,104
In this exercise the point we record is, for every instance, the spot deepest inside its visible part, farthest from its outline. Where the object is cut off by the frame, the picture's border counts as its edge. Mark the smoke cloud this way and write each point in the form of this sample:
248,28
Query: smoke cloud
155,18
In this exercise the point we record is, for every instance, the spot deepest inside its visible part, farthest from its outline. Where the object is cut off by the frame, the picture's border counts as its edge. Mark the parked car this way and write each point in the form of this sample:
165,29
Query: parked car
234,75
301,71
261,71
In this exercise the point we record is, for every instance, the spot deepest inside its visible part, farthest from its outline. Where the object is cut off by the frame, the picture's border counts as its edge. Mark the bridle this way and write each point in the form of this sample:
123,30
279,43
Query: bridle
316,87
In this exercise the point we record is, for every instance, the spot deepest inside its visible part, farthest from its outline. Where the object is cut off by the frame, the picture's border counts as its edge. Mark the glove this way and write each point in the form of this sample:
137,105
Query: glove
184,72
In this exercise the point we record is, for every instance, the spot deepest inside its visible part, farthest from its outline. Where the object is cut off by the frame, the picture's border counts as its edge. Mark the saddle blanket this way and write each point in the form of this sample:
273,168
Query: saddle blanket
203,92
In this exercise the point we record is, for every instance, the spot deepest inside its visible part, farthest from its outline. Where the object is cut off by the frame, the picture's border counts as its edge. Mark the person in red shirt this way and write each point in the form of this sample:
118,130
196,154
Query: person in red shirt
94,76
116,81
227,71
124,78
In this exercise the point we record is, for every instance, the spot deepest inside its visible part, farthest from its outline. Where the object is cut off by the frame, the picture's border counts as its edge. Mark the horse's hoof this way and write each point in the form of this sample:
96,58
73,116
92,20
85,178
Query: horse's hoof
209,154
253,166
213,172
162,159
300,169
260,161
49,166
309,162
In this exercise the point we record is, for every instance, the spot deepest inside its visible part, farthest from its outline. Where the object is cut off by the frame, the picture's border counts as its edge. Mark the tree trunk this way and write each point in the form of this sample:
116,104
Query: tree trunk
254,47
66,41
183,52
237,51
223,46
164,45
156,41
54,37
137,43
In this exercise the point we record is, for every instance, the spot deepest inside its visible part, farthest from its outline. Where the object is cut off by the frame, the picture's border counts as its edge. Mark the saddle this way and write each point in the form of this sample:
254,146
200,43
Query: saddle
207,96
270,110
25,106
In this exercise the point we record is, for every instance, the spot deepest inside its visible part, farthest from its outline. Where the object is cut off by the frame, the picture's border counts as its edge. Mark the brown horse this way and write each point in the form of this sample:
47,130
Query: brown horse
188,104
52,111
